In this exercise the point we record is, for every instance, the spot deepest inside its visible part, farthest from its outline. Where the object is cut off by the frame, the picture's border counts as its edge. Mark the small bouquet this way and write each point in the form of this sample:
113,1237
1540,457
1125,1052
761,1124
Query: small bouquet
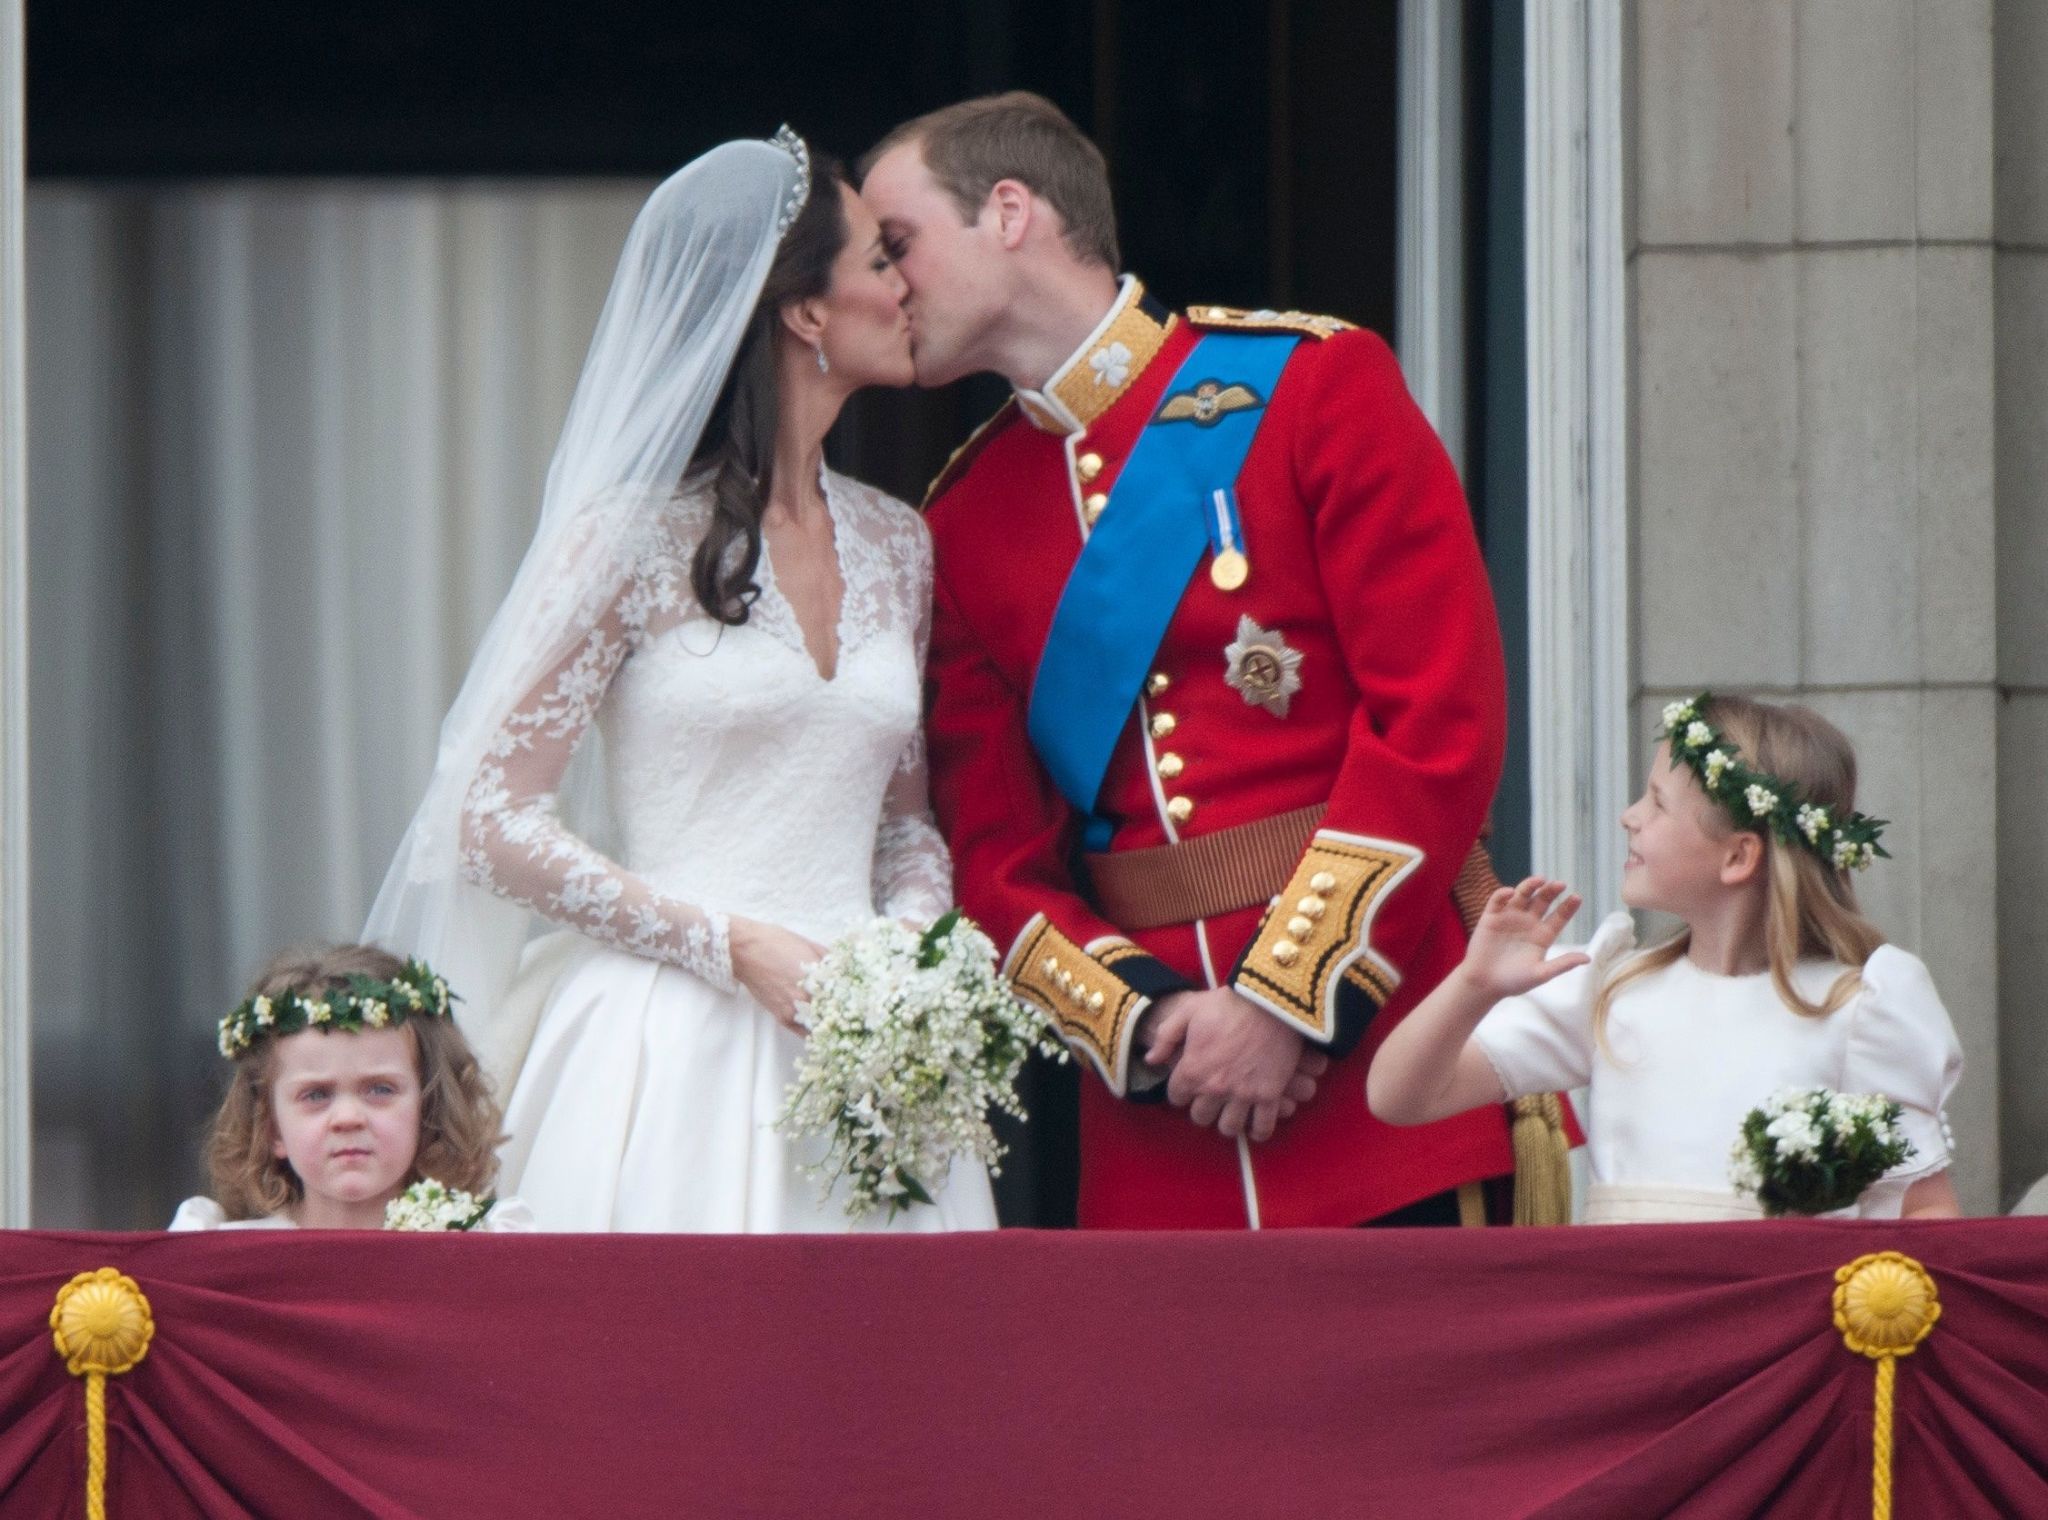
430,1205
1810,1151
913,1039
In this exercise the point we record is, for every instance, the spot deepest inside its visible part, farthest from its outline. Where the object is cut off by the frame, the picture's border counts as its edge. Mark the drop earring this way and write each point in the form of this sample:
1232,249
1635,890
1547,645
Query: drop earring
824,365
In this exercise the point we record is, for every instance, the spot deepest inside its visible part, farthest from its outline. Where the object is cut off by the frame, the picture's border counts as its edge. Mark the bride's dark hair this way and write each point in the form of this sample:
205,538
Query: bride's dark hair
738,446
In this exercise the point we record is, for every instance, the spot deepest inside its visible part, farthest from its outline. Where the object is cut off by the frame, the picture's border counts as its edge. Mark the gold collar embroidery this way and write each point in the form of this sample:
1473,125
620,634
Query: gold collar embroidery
1098,373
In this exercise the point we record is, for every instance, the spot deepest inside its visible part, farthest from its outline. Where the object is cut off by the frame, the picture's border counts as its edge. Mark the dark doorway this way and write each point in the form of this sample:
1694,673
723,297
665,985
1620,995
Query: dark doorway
1252,146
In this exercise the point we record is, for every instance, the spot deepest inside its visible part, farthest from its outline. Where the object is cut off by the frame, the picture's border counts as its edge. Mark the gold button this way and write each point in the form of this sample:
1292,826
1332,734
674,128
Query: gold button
1163,725
1323,881
1156,683
1089,465
1312,907
1094,505
1171,765
1299,927
1180,809
1285,951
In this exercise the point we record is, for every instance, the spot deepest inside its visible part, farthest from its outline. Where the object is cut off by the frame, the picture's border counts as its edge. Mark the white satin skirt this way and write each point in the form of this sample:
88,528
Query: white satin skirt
647,1101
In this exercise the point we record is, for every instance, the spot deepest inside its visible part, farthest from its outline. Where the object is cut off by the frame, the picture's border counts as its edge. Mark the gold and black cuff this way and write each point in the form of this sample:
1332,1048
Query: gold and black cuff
1094,995
1312,964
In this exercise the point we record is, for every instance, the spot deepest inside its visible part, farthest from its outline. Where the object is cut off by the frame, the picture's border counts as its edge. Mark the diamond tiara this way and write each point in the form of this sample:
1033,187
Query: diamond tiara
800,192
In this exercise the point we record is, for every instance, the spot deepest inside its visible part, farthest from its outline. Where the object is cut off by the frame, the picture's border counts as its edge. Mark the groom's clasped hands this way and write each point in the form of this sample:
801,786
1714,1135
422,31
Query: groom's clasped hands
1230,1064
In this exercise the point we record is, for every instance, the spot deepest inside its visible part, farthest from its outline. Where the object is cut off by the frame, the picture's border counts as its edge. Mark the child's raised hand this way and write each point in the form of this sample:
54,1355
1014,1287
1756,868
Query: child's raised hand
1510,943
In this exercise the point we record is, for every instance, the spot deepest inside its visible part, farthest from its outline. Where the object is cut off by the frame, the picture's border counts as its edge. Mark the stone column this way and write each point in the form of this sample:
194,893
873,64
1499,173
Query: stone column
2021,283
1812,389
14,1011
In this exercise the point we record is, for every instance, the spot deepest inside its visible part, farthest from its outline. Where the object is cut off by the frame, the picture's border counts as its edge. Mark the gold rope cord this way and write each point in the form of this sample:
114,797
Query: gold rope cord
102,1327
96,1445
1885,1306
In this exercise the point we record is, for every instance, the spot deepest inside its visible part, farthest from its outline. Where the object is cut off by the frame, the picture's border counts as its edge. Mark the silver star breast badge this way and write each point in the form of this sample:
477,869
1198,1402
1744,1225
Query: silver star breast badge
1260,667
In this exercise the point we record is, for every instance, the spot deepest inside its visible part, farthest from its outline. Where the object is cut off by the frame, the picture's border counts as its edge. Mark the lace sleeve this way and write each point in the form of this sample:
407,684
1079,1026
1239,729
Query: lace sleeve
913,875
515,844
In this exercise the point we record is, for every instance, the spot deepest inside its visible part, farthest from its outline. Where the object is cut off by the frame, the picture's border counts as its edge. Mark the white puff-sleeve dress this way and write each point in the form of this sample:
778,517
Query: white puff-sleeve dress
1688,1054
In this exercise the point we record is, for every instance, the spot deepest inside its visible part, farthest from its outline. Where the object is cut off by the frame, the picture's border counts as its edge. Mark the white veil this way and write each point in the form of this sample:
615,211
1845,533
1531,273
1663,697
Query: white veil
687,282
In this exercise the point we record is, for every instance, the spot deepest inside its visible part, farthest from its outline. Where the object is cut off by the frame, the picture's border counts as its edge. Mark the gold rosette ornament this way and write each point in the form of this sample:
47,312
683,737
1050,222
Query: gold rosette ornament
102,1326
1885,1306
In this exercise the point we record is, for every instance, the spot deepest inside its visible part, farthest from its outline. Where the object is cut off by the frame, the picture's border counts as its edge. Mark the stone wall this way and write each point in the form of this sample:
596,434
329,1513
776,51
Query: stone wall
1813,289
2020,275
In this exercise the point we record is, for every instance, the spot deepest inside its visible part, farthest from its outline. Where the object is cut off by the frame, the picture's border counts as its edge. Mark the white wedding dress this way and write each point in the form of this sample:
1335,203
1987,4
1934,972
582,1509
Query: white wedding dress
742,781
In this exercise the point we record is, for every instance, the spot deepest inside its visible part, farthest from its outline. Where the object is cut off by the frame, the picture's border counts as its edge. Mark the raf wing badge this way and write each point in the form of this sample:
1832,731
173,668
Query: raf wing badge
1260,667
1208,403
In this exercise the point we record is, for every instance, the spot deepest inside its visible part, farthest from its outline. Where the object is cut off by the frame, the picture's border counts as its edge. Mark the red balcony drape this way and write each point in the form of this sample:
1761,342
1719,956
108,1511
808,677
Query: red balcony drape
1629,1371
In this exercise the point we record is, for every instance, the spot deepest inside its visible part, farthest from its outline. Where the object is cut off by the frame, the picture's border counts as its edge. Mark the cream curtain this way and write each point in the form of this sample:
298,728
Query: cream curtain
286,446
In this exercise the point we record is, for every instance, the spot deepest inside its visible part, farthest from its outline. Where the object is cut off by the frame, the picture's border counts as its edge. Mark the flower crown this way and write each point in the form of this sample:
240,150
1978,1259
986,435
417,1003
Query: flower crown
361,1002
1759,800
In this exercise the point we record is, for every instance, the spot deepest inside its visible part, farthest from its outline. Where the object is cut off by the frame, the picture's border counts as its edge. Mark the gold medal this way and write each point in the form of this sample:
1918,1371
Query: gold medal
1229,570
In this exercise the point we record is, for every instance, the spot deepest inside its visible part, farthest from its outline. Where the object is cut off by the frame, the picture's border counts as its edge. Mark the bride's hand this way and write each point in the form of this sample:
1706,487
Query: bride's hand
770,961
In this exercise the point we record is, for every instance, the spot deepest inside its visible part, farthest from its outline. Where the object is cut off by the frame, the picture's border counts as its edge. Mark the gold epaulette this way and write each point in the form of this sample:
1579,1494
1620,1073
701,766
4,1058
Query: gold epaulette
958,461
1306,323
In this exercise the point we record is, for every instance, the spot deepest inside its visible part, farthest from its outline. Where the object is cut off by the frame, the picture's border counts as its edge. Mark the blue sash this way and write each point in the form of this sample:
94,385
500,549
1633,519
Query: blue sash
1124,588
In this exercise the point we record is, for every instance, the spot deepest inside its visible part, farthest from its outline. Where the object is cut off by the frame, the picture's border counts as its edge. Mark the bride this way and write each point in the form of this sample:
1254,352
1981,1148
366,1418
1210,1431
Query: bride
727,640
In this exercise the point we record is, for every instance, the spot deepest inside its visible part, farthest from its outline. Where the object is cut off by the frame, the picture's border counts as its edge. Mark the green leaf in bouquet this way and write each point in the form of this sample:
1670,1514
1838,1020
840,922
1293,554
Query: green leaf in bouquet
931,944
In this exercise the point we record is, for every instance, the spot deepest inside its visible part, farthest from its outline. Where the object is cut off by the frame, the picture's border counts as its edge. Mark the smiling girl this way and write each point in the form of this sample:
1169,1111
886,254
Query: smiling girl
1747,832
351,1083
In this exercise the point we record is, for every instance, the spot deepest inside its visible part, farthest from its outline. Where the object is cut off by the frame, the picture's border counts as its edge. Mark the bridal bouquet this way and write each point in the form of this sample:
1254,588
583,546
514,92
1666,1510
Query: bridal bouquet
430,1205
913,1039
1808,1150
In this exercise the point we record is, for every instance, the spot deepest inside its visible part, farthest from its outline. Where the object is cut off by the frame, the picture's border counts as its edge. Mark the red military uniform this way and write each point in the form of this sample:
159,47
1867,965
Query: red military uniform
1367,594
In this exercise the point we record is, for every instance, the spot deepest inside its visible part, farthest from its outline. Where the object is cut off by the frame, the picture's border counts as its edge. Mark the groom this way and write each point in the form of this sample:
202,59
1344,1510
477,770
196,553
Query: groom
1219,696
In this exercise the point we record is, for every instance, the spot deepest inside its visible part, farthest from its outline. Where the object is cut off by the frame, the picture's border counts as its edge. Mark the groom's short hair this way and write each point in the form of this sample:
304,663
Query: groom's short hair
1021,136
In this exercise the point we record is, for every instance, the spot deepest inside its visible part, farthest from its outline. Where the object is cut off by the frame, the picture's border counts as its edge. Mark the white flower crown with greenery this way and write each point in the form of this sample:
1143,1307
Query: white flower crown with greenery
1759,800
361,1002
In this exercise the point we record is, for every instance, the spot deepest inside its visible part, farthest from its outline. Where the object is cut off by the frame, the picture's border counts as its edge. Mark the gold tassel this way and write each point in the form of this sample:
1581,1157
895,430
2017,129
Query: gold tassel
1543,1171
1543,1174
